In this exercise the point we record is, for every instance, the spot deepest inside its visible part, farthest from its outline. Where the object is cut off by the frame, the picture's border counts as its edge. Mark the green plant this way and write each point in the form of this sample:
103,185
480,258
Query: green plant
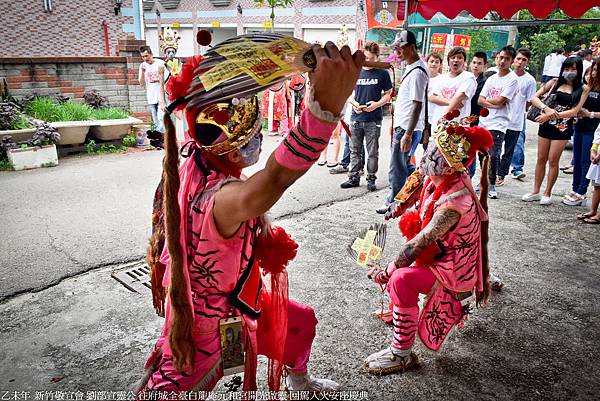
12,118
273,4
43,108
90,147
109,148
21,122
481,40
542,44
71,111
50,110
129,141
109,113
6,165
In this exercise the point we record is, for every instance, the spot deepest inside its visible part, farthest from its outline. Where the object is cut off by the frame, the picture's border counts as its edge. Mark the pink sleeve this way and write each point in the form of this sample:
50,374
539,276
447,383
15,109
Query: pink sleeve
301,148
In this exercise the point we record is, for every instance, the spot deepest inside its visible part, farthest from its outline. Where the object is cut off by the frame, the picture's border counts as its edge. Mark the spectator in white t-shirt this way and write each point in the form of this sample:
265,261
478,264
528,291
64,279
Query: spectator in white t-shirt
587,56
514,140
556,63
152,77
497,95
547,61
434,68
409,113
454,90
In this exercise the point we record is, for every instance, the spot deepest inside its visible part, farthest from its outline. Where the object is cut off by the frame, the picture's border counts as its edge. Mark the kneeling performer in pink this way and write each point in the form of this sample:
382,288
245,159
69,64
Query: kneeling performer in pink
443,257
222,259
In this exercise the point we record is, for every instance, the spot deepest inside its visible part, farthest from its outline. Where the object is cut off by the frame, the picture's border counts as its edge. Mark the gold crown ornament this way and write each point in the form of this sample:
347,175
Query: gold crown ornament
239,120
450,140
169,39
458,141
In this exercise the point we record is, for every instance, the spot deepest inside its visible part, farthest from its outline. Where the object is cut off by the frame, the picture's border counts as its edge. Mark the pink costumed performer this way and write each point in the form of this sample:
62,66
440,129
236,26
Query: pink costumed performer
212,251
445,256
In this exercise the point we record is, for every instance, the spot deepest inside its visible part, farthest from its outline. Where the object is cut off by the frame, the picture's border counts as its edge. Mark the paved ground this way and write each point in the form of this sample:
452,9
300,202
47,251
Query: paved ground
536,339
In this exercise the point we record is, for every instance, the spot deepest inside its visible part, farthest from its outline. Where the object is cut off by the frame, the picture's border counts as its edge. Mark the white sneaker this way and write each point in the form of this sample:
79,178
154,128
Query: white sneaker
385,361
307,383
496,283
529,197
546,200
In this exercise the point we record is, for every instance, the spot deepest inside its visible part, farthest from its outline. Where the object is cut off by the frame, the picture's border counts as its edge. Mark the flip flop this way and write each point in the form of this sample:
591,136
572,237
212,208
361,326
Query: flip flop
591,221
585,215
321,163
568,170
332,165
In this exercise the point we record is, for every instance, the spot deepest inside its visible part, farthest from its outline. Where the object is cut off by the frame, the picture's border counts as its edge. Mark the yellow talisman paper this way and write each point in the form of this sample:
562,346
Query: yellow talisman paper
365,248
174,66
263,63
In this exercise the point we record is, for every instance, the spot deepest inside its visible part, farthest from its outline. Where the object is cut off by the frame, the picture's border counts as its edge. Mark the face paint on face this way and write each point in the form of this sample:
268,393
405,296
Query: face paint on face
251,151
433,162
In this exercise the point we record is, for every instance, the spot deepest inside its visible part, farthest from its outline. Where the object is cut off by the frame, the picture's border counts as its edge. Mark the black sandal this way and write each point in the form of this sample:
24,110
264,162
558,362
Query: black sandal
332,165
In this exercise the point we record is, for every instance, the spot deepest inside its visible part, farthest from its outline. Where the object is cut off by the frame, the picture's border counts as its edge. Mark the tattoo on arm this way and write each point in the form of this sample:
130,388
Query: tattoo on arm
442,221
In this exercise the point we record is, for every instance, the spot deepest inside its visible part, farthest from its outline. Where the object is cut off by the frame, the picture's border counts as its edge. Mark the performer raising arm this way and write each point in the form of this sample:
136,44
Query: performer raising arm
219,246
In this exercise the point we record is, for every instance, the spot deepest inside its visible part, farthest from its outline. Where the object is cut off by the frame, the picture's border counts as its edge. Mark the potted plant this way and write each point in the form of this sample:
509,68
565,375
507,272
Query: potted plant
72,120
39,151
112,123
14,123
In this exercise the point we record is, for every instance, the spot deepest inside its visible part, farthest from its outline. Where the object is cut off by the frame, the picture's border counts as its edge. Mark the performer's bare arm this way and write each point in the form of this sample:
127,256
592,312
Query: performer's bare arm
442,221
333,81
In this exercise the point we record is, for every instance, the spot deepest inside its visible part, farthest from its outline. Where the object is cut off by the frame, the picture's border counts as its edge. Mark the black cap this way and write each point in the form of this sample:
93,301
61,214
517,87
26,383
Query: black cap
404,38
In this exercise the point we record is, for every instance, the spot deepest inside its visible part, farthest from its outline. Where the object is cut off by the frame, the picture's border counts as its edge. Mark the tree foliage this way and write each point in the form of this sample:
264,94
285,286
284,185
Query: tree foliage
481,40
541,44
571,35
273,4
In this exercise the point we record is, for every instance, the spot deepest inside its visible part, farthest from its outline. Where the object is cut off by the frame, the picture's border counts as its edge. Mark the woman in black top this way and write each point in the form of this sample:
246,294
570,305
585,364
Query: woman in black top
556,125
589,118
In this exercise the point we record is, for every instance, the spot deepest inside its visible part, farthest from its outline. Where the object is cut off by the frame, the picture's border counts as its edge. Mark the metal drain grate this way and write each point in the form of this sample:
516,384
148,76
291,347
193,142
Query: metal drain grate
136,279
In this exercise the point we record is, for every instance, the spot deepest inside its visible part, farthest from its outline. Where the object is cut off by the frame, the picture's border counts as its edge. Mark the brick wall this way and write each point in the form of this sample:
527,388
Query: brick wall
113,77
73,28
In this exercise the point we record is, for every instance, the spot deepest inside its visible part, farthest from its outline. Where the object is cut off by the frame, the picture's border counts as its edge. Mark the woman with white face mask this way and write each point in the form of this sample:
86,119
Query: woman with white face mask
556,125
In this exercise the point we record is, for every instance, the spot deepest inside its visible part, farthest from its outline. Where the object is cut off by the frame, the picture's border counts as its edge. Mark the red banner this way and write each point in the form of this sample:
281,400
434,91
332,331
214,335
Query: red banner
463,41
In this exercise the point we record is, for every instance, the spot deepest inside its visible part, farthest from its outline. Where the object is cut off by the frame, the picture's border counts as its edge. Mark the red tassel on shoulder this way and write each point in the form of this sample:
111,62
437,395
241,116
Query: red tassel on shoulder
410,224
274,250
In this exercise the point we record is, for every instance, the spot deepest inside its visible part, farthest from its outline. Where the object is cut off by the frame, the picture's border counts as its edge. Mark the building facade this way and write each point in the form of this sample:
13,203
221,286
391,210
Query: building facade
310,20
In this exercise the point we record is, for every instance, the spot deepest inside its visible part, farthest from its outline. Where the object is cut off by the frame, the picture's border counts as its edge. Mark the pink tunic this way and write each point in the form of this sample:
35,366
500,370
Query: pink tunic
459,269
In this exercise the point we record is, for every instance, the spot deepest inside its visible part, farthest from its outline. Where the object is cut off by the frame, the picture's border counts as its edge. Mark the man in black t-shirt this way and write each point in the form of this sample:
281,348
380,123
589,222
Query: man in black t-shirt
366,119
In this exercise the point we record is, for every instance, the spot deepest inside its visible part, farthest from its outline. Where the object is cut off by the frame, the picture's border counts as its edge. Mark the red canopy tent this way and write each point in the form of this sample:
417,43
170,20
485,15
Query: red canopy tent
504,8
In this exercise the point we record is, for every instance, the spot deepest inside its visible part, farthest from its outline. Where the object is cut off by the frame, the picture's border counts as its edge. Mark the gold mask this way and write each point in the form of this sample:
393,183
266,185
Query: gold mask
238,122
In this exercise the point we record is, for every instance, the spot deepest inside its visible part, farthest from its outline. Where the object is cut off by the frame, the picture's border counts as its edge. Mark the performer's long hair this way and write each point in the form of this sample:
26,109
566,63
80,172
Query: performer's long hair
181,341
484,185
